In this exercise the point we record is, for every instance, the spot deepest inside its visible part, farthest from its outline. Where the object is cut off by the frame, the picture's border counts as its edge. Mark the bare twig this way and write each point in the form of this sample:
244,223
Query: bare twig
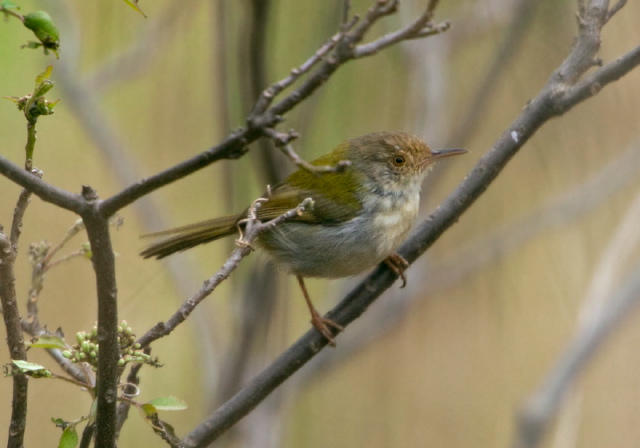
132,380
252,229
12,321
283,142
40,188
421,27
267,96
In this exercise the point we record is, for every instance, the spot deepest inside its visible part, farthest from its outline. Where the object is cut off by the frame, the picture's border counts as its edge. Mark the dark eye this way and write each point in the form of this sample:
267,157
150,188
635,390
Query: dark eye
398,160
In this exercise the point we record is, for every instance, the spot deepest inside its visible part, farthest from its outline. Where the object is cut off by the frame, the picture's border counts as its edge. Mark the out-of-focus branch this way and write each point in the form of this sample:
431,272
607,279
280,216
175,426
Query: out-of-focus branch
603,309
543,405
511,41
556,97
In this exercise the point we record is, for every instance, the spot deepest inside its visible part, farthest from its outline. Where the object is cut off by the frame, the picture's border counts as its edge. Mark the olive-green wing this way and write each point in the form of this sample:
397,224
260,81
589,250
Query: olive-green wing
326,208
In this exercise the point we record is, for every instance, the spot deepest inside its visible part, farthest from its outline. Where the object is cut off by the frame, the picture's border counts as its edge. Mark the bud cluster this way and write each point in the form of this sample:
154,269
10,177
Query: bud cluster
87,348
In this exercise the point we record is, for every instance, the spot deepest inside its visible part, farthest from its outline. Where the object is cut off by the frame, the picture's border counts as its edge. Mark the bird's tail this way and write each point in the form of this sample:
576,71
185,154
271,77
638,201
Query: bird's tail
186,237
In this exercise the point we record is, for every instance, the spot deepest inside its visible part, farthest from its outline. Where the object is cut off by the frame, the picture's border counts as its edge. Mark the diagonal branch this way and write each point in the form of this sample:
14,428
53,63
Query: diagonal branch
252,230
40,188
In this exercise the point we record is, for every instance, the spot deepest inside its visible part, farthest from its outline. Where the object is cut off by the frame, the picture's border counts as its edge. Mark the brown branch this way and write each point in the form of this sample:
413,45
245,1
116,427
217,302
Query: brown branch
283,142
40,188
12,321
103,261
421,27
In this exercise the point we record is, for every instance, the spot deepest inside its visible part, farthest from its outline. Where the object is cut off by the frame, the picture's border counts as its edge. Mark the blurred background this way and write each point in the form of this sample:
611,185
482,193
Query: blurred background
446,362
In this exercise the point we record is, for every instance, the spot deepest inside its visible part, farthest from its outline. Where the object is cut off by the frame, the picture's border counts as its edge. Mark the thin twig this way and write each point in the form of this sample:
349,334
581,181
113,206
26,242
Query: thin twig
267,96
421,27
283,142
12,322
252,229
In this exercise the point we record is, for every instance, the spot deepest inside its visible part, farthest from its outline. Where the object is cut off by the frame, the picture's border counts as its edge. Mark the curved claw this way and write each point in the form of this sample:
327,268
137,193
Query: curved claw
398,264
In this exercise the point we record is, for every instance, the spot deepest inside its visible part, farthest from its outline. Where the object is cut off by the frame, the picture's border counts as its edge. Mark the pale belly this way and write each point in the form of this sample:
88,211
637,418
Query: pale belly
350,248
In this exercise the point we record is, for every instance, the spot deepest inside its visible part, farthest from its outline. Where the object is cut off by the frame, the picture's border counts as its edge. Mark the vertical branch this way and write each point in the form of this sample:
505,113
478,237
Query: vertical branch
12,322
107,378
15,341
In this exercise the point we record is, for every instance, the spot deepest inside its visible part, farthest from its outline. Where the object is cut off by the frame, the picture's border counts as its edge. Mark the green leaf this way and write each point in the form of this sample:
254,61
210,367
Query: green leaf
69,438
33,370
48,341
43,27
134,5
44,75
6,4
59,422
168,404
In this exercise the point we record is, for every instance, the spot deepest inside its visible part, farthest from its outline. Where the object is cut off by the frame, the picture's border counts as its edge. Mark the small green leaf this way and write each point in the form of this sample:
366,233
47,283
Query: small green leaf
6,4
148,409
33,370
43,87
26,366
168,404
134,5
43,27
48,341
59,422
44,75
69,438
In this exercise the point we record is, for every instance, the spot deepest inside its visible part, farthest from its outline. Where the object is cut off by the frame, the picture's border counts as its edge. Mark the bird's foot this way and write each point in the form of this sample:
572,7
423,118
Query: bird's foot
398,264
326,327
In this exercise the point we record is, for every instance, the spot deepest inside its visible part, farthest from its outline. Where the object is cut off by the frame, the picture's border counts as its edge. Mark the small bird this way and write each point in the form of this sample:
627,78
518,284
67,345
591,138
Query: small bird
360,214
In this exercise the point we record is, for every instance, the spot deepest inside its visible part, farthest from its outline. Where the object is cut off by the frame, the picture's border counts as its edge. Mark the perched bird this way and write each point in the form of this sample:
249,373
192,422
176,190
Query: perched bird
360,215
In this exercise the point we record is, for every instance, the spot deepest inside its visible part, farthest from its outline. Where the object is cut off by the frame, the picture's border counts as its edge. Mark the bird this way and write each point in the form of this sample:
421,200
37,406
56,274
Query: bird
359,216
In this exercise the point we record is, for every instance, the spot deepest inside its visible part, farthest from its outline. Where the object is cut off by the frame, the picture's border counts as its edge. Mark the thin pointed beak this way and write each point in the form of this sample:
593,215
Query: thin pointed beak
441,154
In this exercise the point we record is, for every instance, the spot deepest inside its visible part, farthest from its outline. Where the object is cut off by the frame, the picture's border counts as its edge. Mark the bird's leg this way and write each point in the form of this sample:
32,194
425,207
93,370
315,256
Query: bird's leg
322,324
397,264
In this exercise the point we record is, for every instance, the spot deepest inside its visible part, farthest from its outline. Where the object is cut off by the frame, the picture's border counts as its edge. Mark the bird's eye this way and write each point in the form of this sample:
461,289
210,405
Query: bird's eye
398,160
